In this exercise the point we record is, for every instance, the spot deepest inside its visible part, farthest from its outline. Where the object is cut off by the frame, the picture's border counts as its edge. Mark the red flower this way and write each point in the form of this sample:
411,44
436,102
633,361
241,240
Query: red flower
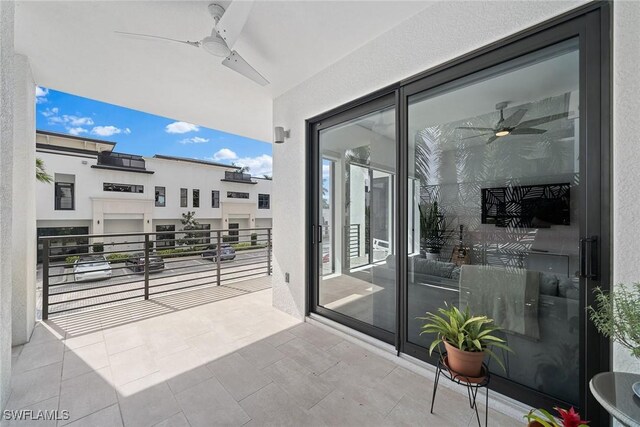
570,418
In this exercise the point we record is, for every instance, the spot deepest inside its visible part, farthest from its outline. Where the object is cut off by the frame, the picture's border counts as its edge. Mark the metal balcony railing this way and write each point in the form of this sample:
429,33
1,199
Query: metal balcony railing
121,160
105,269
238,177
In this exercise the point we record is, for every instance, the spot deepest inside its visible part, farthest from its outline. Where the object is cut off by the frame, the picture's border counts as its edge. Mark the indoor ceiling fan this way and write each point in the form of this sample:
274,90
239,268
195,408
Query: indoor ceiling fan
226,29
512,124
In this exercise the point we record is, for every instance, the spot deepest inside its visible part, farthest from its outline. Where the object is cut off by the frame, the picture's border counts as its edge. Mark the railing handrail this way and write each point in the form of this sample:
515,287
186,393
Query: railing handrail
150,233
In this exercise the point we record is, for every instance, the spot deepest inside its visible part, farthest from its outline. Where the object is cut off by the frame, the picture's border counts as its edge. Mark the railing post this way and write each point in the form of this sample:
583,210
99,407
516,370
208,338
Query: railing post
146,266
45,279
269,251
218,251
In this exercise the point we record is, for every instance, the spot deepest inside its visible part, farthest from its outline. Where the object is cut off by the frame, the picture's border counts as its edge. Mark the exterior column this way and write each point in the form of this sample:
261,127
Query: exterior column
6,189
23,252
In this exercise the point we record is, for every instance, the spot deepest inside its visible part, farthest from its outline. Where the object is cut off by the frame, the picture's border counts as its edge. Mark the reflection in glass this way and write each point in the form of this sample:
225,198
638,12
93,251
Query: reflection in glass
493,219
358,219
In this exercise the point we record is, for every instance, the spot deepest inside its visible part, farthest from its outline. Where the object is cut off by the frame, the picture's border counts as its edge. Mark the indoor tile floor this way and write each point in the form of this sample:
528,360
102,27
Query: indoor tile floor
186,361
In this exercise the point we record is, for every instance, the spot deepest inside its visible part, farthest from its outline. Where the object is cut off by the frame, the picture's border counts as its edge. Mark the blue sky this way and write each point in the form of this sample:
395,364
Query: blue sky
146,134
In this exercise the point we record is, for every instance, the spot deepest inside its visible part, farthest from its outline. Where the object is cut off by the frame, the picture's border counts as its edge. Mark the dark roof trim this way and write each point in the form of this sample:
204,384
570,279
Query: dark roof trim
186,159
93,154
117,168
78,138
238,181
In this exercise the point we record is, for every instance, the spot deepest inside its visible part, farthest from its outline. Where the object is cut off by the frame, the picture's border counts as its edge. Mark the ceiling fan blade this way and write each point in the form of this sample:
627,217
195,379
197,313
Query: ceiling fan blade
475,128
490,140
476,136
239,65
187,42
232,22
542,120
527,131
513,119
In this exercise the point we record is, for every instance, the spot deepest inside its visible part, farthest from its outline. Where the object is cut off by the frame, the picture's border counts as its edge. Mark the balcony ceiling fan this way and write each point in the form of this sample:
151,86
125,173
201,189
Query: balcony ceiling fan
512,124
228,25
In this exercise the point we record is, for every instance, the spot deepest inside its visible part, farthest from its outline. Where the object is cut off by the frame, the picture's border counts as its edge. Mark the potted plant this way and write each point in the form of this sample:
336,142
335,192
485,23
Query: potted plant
431,230
568,418
617,317
466,338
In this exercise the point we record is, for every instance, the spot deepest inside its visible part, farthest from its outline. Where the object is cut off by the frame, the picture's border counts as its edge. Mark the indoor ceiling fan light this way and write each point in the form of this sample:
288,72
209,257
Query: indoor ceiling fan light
215,45
503,132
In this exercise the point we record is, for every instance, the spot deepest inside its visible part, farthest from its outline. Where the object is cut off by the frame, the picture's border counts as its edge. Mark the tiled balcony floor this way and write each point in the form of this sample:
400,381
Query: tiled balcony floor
236,361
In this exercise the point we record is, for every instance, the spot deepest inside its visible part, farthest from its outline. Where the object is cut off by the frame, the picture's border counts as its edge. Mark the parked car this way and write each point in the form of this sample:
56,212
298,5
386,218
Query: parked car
227,253
135,262
91,267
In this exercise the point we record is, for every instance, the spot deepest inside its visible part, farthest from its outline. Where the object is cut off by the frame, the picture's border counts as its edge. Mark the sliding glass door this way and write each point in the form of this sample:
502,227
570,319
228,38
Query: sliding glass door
356,218
480,184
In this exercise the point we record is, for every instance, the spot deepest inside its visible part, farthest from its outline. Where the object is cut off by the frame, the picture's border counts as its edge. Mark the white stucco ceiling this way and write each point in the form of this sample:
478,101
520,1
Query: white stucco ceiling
72,48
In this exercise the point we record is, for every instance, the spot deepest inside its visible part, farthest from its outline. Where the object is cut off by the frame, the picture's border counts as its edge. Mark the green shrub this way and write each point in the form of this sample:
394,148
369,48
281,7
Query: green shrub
70,260
226,238
98,247
244,246
175,253
254,239
116,258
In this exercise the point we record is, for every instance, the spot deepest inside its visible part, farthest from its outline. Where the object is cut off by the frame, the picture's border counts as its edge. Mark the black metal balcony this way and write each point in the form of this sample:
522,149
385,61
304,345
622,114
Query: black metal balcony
240,177
121,161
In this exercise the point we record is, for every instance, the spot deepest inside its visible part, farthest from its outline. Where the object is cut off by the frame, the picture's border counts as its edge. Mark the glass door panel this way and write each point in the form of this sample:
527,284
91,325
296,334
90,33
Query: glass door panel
493,214
357,218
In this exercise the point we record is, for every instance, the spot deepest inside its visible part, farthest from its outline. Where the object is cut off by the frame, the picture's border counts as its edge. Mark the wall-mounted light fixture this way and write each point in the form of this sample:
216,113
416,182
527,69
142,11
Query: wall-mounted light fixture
98,221
279,134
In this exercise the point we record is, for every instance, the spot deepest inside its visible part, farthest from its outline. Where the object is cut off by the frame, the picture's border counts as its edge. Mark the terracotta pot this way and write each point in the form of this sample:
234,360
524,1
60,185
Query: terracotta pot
467,363
534,424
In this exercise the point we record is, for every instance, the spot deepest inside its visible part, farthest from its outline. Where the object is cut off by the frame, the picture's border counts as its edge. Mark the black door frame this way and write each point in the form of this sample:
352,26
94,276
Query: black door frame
589,23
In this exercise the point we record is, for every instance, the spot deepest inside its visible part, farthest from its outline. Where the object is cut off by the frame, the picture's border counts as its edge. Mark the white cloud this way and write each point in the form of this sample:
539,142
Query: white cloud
106,130
78,121
41,94
194,140
65,119
258,166
127,131
181,127
225,154
76,131
51,112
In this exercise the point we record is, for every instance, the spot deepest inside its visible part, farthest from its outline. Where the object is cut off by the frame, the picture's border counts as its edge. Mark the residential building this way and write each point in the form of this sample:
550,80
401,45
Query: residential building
96,190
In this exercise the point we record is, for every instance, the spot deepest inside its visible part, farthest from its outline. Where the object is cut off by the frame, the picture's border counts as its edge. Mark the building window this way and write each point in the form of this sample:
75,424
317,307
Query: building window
196,198
160,197
237,195
165,240
123,188
204,238
215,199
64,196
183,197
264,201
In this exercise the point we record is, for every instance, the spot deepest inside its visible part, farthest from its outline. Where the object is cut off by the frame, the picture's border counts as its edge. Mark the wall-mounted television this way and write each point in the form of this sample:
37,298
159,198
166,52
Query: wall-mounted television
532,206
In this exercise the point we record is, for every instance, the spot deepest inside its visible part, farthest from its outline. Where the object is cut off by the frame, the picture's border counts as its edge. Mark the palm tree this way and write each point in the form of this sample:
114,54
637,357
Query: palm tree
41,173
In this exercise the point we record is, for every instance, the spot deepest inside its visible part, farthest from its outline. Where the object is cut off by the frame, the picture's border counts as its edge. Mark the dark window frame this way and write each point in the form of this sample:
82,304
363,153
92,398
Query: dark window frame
195,198
237,195
164,197
58,198
215,198
122,188
264,201
184,198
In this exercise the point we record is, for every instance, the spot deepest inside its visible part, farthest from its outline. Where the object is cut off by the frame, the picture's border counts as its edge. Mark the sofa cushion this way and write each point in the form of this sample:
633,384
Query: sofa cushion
567,288
433,268
549,284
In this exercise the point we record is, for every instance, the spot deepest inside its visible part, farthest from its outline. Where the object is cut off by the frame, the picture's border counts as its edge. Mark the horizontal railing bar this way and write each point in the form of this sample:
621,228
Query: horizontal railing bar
96,296
244,265
95,287
242,271
152,233
96,304
242,277
168,276
181,288
159,285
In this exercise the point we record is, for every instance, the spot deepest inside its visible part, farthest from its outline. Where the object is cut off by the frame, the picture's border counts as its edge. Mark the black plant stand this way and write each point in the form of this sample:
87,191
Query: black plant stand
472,384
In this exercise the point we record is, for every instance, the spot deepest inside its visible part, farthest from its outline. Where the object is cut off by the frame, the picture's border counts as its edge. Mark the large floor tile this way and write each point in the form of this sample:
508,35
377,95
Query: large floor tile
308,355
451,409
123,339
107,417
208,403
34,386
239,377
338,409
131,365
315,335
261,354
177,420
78,341
302,387
145,404
271,406
49,405
183,369
84,359
35,356
86,394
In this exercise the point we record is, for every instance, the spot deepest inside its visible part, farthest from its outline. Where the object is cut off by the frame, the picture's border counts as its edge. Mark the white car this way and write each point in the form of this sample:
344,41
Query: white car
91,267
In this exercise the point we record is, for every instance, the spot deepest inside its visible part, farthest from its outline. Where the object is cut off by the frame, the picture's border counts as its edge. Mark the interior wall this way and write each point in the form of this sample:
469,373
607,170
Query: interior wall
24,187
6,161
417,44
